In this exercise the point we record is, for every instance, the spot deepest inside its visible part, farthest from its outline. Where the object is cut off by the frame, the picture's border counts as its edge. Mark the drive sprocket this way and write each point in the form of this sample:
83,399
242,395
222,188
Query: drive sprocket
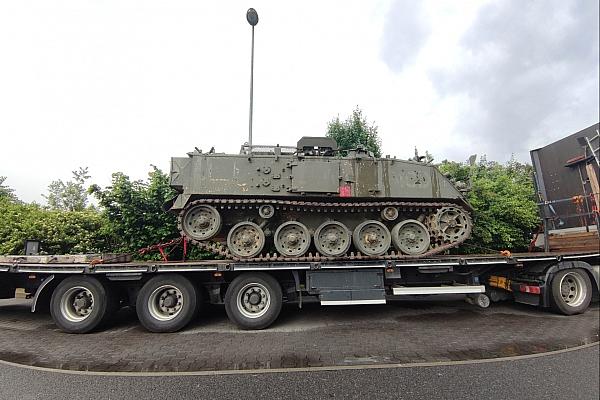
449,225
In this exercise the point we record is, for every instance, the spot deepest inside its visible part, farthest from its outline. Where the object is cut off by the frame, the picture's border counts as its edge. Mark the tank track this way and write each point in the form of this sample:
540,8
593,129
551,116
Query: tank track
350,207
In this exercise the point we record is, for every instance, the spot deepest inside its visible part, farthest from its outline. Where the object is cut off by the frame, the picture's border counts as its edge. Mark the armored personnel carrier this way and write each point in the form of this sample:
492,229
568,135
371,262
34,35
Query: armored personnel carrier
311,202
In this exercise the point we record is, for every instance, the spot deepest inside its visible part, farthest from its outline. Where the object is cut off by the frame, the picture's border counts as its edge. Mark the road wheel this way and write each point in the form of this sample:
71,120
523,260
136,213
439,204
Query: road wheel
253,300
80,304
292,239
571,291
410,237
332,239
246,239
167,303
372,238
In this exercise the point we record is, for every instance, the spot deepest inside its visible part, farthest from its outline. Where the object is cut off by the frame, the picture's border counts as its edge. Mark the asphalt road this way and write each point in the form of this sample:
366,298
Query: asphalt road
569,375
399,332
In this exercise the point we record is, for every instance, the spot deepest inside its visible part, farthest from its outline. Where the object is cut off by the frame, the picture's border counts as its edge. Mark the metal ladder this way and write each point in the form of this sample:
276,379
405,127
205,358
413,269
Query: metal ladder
596,151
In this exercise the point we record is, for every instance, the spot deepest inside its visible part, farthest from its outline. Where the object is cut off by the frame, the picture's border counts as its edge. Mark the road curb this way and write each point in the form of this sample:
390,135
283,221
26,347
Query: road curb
304,369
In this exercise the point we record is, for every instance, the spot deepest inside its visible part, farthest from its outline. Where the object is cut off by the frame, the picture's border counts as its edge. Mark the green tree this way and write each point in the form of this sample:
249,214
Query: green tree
7,192
69,196
354,131
133,211
503,200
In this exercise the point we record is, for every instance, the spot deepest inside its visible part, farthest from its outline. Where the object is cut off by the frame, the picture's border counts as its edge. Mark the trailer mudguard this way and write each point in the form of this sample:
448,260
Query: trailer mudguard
40,289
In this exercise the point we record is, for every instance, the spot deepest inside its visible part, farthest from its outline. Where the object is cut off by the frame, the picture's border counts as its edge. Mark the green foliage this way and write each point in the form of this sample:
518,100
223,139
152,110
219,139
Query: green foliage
7,192
131,218
504,203
354,131
70,196
133,211
62,232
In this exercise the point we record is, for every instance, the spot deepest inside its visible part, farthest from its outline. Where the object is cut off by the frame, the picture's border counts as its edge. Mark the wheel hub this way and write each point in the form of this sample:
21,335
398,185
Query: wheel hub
170,301
371,238
165,302
253,300
82,302
292,238
332,238
568,289
203,221
77,303
572,289
247,239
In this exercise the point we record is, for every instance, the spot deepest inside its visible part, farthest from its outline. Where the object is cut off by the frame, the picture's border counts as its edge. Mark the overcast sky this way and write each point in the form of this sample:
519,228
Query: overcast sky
120,85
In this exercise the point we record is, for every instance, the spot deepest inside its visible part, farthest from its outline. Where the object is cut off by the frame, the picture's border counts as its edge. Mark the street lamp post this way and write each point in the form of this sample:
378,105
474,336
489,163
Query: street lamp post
252,17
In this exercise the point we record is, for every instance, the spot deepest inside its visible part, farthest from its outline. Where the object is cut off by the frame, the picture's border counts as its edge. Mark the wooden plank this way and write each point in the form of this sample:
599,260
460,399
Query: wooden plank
574,241
575,248
574,234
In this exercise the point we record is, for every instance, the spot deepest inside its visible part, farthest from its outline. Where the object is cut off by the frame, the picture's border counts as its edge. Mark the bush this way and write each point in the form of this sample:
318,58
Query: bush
133,211
504,203
61,232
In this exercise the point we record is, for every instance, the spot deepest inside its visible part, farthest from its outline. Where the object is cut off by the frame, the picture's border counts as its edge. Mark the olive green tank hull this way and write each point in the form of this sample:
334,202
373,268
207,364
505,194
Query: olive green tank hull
309,204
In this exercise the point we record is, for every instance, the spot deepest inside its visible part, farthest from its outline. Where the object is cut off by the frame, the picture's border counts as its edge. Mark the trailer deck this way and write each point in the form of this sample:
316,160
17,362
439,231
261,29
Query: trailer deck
167,294
16,264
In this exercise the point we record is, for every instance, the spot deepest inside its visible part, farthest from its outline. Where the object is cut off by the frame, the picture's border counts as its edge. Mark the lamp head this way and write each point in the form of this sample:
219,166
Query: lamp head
252,16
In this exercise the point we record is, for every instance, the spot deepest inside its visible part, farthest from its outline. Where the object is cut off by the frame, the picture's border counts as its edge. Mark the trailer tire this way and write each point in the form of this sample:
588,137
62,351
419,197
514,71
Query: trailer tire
253,300
80,304
167,303
571,291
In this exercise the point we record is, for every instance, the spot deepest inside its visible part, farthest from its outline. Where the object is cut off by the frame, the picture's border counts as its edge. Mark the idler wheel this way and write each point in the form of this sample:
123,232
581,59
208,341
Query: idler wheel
372,238
200,222
410,237
292,239
246,239
332,238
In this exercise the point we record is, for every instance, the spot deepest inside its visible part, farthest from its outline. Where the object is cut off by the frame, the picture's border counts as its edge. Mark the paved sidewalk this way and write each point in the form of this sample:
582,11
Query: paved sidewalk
400,332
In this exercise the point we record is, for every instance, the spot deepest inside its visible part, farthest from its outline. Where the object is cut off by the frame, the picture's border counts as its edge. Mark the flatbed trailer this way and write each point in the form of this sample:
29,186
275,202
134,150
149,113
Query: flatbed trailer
83,296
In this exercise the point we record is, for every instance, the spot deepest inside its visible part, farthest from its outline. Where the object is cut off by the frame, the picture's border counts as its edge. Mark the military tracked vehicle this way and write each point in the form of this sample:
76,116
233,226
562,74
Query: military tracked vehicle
313,201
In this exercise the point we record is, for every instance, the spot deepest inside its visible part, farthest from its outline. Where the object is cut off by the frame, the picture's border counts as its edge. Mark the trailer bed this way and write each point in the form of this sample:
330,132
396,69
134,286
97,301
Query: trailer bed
253,292
86,265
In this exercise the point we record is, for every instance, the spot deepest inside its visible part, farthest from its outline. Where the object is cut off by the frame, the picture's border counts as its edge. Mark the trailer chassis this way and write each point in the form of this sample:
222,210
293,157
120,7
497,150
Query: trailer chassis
167,295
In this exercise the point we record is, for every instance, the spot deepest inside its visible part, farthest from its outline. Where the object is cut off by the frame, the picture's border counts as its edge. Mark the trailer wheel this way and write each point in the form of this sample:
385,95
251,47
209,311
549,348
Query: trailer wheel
571,291
167,303
253,300
80,304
